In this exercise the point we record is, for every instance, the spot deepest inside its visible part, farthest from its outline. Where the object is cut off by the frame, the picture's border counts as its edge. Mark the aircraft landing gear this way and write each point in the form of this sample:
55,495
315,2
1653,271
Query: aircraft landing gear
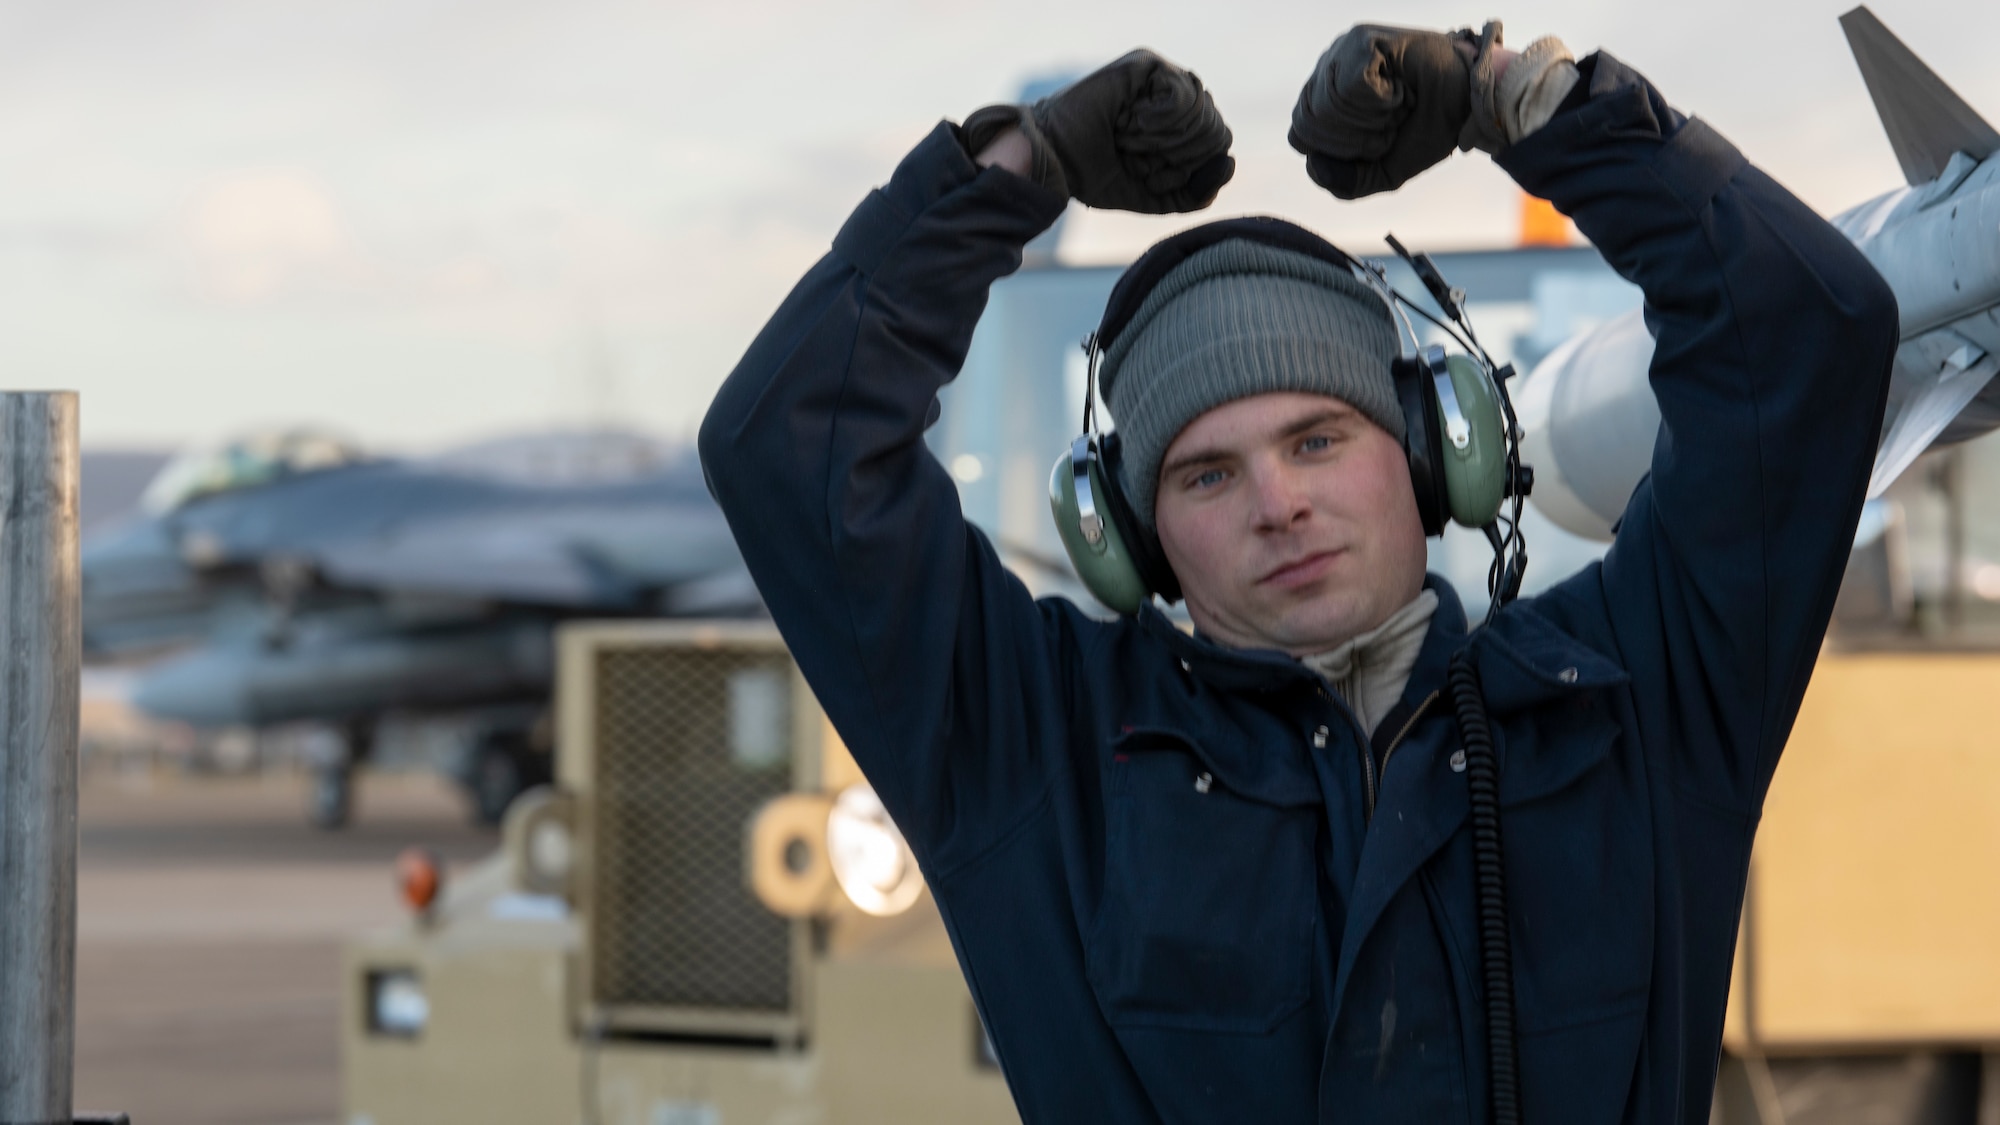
330,805
500,768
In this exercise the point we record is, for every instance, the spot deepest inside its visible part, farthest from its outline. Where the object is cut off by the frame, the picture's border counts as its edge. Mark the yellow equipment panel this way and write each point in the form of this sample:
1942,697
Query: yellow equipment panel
1872,918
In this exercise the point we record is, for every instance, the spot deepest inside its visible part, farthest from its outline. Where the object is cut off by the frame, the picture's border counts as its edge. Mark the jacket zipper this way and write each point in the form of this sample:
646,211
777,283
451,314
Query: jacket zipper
1368,758
1367,778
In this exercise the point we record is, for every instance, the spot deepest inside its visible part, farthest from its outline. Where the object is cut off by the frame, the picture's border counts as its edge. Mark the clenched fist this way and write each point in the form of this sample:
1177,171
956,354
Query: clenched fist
1385,103
1137,135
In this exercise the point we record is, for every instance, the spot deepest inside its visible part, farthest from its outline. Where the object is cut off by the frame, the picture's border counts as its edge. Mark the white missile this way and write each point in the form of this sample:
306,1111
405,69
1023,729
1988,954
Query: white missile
1589,415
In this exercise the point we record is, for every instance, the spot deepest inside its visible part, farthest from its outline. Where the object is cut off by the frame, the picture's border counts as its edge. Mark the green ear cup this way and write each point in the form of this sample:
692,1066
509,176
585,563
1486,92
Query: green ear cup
1105,566
1475,470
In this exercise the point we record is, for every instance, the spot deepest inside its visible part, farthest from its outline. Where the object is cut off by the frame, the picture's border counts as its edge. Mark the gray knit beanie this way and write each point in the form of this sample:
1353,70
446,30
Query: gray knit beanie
1243,318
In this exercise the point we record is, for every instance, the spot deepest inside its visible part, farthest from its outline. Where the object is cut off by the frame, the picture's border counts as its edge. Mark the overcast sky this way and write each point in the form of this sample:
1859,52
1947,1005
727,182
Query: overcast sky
426,221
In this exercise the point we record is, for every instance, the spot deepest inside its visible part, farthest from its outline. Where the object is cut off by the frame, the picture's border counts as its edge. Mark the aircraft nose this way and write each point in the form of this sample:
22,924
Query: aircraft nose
136,558
138,592
206,688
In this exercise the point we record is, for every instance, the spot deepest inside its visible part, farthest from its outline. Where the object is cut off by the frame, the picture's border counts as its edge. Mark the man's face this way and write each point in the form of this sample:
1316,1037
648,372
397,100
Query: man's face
1290,521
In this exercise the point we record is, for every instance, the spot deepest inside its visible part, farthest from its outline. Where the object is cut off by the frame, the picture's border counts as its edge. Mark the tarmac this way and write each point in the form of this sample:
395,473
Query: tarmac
210,919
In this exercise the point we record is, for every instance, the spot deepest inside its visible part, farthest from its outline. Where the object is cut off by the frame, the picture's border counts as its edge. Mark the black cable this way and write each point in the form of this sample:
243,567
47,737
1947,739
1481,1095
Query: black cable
1447,329
1496,958
1482,768
1510,552
1090,354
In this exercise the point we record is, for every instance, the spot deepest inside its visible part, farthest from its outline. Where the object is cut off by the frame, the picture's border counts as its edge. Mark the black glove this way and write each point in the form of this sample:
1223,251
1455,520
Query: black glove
1138,135
1385,103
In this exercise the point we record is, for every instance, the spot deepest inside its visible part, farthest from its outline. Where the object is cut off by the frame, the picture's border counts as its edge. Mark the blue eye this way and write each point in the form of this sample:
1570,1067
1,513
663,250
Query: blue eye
1315,443
1208,479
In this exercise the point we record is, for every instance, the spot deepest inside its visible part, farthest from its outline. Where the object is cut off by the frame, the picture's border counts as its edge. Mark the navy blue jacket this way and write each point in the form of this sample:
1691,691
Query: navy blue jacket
1182,884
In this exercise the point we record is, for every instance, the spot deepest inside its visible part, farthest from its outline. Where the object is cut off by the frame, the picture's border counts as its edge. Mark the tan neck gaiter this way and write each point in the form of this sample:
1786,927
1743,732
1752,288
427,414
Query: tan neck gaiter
1371,670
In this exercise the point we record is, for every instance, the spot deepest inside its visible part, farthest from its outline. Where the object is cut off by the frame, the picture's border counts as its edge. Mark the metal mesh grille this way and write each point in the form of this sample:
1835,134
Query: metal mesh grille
689,744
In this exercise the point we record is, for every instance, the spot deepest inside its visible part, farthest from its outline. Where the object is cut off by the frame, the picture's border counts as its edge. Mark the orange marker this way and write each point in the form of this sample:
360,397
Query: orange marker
1542,224
419,876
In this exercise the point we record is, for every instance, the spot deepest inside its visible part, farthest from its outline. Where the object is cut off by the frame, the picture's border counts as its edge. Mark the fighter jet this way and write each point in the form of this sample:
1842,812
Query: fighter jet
1590,416
303,582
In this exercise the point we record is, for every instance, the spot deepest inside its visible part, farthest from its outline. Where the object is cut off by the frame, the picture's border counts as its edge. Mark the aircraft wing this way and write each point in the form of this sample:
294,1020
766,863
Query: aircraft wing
584,557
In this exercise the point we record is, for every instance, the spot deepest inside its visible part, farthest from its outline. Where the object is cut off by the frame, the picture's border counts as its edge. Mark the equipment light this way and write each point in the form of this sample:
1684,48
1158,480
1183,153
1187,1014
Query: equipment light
871,861
539,839
789,869
396,1003
549,851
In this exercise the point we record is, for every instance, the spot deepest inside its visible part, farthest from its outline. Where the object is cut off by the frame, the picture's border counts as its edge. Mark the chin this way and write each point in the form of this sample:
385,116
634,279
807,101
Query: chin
1317,627
1298,626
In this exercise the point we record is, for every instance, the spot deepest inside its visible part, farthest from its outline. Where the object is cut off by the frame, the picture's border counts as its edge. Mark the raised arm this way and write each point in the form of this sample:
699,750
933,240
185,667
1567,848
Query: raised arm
928,656
1775,338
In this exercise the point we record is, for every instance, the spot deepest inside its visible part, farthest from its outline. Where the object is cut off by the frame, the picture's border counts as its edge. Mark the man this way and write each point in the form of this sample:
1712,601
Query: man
1227,877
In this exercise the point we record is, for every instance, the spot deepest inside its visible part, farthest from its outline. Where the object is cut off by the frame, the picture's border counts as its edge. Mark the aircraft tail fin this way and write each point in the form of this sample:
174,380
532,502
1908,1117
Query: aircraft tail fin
1926,121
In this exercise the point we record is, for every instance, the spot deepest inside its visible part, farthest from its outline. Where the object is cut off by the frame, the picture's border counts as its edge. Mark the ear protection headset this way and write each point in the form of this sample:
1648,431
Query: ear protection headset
1459,432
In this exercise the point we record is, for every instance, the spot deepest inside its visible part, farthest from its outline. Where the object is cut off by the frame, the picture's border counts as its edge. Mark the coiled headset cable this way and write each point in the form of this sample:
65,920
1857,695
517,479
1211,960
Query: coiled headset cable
1496,957
1475,731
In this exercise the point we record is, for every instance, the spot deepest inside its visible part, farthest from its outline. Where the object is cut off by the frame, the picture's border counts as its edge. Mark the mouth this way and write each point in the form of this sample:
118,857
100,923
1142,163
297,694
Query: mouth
1301,571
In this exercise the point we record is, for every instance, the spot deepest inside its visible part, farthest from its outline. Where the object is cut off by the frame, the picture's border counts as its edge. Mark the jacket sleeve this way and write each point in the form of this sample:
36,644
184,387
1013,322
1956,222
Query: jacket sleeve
932,661
1774,339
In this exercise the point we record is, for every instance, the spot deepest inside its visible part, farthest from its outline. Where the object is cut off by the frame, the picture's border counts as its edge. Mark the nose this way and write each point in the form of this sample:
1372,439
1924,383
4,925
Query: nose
1282,502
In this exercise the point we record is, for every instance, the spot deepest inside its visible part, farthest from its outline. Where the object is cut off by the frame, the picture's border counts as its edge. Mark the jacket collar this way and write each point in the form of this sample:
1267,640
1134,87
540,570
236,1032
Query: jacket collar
1446,636
1525,660
1264,669
1222,667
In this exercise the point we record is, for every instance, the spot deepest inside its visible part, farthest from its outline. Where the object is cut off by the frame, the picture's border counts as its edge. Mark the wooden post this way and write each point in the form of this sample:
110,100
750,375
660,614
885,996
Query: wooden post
40,646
